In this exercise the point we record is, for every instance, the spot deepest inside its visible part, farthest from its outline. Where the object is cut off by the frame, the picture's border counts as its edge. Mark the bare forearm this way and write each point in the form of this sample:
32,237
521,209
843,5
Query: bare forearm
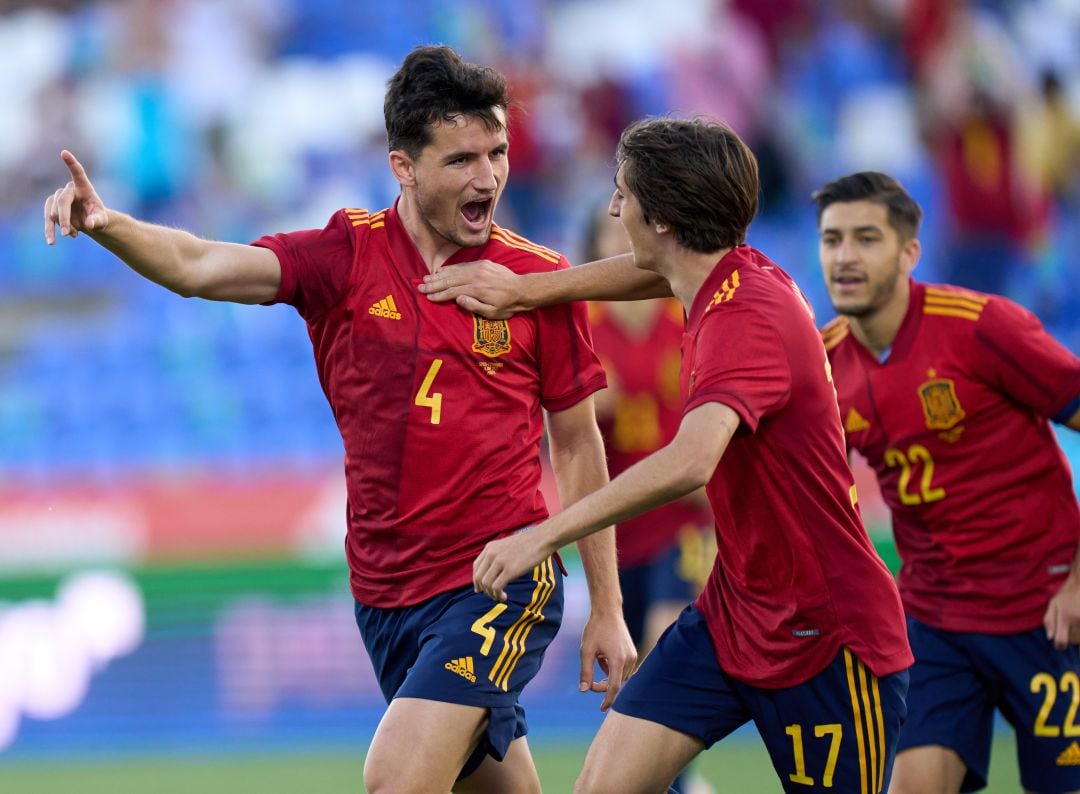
657,480
580,471
188,265
616,278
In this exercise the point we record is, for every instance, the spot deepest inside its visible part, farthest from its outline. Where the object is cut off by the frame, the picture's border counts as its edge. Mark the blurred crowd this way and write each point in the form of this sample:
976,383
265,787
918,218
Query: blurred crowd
237,118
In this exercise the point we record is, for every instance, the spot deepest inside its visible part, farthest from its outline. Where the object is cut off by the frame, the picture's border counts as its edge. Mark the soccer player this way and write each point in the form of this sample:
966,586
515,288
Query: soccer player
800,626
949,395
664,555
440,414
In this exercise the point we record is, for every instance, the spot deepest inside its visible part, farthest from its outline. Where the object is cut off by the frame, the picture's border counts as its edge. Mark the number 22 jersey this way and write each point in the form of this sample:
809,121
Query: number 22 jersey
439,409
954,423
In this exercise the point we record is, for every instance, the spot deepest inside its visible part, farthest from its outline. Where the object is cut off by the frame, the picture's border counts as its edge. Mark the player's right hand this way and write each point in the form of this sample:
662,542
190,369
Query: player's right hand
76,207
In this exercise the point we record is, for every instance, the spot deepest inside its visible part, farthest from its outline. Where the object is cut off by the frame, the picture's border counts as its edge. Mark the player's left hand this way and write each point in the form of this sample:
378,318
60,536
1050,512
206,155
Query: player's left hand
504,560
1062,618
482,287
606,641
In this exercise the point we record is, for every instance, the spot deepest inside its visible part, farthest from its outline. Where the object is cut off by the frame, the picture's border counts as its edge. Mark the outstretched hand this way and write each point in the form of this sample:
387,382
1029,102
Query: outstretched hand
483,287
76,207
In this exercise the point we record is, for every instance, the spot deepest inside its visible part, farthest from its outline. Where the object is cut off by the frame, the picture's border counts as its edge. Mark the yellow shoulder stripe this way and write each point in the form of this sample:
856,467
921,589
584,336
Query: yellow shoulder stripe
834,339
357,216
942,293
955,303
947,311
544,253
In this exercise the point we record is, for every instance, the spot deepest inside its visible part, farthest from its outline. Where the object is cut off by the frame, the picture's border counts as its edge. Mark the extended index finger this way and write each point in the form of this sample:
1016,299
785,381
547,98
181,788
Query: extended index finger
78,173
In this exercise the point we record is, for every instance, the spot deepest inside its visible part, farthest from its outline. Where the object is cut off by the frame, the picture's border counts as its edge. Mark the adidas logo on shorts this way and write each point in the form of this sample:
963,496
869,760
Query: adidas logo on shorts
1071,756
463,667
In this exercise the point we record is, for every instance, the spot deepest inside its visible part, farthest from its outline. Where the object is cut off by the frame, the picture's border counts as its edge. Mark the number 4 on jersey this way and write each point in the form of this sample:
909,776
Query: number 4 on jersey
425,398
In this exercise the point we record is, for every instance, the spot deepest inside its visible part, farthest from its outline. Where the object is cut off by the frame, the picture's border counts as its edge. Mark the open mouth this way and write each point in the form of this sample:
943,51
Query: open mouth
847,281
476,213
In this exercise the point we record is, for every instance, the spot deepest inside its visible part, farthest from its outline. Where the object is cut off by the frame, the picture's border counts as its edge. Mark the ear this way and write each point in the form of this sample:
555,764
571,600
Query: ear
910,252
403,168
662,228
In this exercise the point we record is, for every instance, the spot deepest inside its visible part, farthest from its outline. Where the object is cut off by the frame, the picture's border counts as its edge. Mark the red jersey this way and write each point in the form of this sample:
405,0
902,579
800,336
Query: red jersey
439,409
954,424
796,576
644,373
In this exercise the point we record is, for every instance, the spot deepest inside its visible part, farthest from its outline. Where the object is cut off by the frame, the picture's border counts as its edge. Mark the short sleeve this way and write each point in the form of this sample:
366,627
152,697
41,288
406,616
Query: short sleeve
570,369
315,265
1018,357
740,361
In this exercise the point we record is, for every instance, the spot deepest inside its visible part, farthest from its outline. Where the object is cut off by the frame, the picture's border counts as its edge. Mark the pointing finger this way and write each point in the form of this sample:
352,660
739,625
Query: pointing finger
78,173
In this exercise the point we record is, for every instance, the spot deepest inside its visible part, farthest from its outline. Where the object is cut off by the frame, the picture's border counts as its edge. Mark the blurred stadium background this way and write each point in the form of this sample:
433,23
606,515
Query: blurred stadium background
174,612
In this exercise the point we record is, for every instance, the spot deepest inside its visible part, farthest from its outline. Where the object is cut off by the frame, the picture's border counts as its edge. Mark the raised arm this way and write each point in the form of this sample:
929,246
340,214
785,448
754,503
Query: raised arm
175,259
495,292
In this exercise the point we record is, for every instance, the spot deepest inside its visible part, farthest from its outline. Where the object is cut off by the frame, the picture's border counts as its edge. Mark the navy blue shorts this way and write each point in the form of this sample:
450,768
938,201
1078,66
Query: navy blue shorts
676,575
462,647
835,732
959,679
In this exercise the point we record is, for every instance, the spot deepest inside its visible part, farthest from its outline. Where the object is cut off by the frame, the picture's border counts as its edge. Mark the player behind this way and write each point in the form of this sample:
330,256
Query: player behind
439,411
665,555
949,395
800,627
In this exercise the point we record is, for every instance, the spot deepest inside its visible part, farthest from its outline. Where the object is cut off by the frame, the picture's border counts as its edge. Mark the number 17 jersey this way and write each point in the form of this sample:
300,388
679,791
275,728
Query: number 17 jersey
439,409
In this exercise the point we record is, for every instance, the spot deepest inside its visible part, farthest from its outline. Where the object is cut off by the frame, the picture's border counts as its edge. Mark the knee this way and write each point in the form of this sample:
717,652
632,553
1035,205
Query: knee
378,780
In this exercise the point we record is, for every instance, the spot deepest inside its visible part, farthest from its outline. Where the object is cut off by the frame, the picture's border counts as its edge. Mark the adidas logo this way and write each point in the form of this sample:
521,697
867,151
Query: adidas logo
855,422
385,308
464,668
1071,756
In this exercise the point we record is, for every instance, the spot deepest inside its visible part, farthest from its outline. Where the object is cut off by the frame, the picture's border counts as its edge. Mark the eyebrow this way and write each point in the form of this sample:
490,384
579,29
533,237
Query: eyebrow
858,229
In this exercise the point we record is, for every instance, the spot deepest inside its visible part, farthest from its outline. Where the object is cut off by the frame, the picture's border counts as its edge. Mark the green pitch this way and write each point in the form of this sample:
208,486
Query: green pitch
735,766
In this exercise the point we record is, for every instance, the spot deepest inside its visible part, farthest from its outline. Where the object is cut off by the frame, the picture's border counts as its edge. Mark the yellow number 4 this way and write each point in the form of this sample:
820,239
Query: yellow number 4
480,626
425,398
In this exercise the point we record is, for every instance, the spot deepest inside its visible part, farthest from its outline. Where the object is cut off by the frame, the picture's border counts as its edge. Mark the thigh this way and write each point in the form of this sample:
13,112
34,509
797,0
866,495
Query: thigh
950,704
420,746
631,755
463,648
1040,697
835,732
680,685
515,774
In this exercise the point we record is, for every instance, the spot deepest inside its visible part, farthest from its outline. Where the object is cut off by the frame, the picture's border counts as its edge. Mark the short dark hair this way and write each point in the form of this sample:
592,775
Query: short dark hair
433,84
695,175
905,214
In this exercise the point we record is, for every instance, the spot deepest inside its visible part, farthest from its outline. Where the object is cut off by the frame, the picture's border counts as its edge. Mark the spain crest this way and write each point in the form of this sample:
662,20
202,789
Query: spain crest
940,405
490,337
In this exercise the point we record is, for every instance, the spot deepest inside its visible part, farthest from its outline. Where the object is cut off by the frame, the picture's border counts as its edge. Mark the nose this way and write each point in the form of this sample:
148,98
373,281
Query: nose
613,206
844,252
484,177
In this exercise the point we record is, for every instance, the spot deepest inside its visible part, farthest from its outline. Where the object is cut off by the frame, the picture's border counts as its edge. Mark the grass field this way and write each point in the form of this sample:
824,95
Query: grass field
737,767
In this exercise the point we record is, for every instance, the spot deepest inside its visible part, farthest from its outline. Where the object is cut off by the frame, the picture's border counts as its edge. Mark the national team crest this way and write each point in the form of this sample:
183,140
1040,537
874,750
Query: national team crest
940,405
490,337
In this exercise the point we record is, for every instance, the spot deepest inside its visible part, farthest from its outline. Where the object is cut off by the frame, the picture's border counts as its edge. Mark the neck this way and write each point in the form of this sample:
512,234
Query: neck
877,330
433,247
686,271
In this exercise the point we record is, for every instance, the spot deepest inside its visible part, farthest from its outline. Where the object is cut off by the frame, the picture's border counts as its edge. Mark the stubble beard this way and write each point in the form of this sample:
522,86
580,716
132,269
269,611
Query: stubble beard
450,234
